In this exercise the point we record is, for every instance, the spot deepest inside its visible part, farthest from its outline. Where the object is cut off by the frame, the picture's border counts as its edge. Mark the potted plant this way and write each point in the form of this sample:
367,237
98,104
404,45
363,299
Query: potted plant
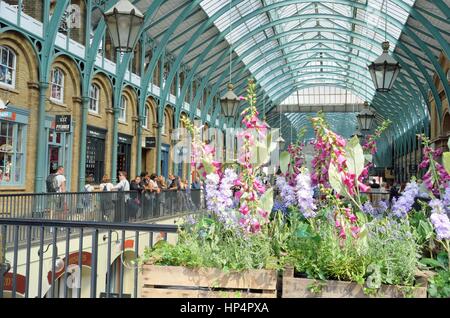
228,251
340,245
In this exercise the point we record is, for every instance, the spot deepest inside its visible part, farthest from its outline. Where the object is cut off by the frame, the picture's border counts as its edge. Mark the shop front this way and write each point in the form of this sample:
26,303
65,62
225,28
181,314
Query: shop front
13,136
148,144
59,145
95,153
124,154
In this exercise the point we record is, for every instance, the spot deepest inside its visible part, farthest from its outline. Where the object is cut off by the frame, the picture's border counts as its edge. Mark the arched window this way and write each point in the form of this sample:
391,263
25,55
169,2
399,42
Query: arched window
94,95
145,117
123,109
7,66
57,85
163,127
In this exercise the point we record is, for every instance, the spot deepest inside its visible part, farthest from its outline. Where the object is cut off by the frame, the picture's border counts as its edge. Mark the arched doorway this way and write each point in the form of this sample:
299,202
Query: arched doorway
446,125
122,265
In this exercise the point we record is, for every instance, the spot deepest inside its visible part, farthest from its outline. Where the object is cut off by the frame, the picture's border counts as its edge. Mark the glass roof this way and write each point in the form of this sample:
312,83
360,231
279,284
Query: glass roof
310,42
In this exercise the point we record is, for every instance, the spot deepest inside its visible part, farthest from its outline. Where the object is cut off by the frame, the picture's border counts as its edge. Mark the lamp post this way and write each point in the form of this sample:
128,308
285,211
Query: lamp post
385,69
124,21
229,103
365,118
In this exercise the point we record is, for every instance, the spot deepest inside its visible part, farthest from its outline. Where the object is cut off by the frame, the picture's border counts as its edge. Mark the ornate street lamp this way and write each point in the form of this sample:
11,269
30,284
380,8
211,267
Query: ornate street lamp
124,21
365,118
385,69
229,103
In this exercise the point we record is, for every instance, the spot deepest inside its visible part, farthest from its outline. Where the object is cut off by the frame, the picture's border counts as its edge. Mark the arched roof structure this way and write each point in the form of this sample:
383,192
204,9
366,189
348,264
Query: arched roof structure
289,45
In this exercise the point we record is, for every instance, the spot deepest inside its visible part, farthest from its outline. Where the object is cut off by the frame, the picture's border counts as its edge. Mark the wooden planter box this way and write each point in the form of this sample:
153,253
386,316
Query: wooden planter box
294,287
182,282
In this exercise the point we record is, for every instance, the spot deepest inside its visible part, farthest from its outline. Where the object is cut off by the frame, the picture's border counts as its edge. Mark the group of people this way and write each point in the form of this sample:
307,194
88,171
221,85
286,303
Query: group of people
144,196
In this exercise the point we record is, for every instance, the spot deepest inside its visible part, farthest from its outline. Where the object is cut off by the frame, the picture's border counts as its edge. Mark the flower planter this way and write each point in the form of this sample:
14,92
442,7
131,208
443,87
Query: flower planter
294,287
182,282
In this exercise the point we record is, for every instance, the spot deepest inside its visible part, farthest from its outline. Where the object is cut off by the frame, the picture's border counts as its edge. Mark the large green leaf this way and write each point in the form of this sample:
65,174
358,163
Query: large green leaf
266,201
355,156
260,156
446,161
368,157
285,158
209,168
335,179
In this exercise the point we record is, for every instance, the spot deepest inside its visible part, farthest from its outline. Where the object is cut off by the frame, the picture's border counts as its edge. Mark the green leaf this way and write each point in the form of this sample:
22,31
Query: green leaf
302,231
355,156
335,179
285,158
209,168
260,156
266,201
446,161
431,262
368,157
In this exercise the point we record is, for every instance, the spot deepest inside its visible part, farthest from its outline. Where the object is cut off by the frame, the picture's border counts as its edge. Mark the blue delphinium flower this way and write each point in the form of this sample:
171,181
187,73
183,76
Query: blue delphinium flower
367,208
441,225
305,195
279,206
403,205
287,192
382,207
446,199
436,206
219,196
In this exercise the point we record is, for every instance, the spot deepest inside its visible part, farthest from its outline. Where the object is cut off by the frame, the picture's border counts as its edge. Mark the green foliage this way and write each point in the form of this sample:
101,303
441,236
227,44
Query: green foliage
335,179
316,287
266,200
208,243
285,158
355,156
392,245
440,285
388,254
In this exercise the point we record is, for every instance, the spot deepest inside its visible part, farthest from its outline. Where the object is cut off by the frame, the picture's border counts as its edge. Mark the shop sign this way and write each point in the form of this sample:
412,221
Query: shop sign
62,123
124,139
95,133
7,115
150,142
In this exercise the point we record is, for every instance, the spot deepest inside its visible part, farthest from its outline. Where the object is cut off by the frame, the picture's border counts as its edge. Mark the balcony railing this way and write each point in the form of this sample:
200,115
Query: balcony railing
100,206
81,259
103,207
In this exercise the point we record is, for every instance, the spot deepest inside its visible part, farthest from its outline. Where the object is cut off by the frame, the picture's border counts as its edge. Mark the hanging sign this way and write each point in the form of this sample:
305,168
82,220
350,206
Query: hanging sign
150,142
62,123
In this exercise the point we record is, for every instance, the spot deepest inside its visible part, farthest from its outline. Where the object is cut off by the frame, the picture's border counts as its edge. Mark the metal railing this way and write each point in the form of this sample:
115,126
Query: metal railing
85,260
99,206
